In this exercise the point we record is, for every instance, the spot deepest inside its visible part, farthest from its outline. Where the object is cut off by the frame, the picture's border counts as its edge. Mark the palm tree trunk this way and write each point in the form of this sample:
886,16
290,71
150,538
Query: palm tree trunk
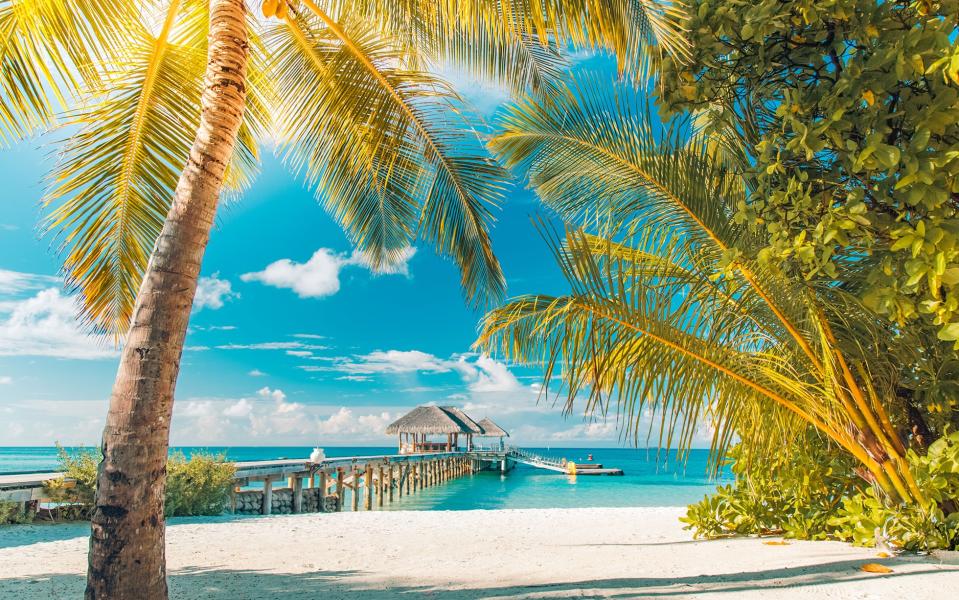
127,557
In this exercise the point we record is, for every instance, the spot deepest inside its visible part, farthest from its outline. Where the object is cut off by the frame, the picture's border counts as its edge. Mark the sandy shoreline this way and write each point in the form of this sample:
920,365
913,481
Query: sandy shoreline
594,553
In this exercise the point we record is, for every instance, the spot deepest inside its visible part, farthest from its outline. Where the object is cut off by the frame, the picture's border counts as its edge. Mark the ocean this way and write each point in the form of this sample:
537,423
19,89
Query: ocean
646,480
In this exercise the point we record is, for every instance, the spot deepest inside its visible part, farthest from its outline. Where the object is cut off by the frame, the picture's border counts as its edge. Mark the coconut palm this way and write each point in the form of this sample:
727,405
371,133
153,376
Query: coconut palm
159,108
670,312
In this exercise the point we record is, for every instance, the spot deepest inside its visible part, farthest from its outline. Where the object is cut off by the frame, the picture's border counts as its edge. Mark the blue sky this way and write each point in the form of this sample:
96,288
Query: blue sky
293,341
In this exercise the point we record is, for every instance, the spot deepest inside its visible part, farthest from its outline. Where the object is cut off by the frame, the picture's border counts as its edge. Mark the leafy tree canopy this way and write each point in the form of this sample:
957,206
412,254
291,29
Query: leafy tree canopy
849,110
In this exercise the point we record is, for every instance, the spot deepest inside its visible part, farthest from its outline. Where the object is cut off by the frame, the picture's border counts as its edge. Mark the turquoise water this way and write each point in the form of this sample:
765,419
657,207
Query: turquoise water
646,482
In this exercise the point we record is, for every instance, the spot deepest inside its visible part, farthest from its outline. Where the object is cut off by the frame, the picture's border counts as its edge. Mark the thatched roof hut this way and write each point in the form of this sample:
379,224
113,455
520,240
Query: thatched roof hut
491,429
427,420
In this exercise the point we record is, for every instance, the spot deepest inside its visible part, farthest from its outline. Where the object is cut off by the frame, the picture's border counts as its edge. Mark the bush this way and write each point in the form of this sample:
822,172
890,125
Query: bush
931,525
14,512
74,493
813,493
794,496
199,486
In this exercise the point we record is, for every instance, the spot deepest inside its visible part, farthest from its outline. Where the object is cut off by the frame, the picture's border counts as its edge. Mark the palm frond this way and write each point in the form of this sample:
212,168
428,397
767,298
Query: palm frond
114,182
385,146
593,157
48,50
631,341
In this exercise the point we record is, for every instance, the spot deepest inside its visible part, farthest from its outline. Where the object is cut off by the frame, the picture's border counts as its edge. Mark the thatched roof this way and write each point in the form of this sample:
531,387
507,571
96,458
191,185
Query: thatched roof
469,425
491,429
430,420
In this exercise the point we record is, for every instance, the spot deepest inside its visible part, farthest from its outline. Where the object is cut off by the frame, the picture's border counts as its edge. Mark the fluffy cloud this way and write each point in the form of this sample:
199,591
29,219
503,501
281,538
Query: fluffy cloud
256,373
5,380
212,292
269,417
46,325
493,376
320,276
598,430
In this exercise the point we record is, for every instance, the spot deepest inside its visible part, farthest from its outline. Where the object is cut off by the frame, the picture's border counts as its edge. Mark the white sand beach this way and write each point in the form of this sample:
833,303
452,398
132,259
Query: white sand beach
592,553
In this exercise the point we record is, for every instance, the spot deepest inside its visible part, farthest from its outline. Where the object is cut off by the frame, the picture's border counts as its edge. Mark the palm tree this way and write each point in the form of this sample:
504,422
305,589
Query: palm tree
670,311
160,107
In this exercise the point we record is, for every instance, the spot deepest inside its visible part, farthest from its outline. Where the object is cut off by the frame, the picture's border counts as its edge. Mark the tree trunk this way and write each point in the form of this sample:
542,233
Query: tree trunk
127,557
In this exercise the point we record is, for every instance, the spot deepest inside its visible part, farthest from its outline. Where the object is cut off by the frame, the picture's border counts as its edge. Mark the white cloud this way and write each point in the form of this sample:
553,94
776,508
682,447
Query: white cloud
598,430
395,361
269,417
212,292
320,276
271,346
47,325
309,336
256,373
353,378
494,376
5,380
15,282
300,353
241,408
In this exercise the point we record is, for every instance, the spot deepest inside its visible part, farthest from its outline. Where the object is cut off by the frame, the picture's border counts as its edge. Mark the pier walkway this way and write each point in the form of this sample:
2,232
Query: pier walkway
299,485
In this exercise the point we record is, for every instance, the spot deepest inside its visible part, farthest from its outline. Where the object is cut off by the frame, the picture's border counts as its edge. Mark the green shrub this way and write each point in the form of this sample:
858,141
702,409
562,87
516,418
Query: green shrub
813,493
931,525
15,512
199,486
74,493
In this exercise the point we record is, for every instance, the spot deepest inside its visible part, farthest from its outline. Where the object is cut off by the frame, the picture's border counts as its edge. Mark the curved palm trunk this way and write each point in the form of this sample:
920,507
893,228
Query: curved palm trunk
127,558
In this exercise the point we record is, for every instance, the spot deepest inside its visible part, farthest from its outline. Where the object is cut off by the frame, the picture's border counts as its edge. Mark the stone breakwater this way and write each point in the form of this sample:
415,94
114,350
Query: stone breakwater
250,502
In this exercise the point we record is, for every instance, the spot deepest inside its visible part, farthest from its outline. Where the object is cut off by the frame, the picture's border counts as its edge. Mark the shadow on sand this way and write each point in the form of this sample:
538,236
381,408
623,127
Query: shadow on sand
232,584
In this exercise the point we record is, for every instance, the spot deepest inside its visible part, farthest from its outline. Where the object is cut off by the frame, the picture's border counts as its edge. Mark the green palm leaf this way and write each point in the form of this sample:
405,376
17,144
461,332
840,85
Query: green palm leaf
113,185
385,146
48,50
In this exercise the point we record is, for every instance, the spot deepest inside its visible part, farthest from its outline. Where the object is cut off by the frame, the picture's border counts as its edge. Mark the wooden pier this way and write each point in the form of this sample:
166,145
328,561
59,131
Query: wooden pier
366,482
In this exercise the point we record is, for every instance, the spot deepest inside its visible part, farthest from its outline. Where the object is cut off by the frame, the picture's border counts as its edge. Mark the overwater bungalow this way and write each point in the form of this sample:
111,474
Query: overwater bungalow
414,429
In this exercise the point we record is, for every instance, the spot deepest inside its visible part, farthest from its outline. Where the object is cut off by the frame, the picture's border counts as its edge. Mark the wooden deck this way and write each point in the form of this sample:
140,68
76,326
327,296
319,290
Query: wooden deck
370,480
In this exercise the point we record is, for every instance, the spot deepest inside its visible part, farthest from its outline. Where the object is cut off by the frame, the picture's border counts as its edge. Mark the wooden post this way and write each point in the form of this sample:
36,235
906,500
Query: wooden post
389,482
323,491
369,486
297,494
267,496
400,481
339,488
355,488
416,478
379,488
